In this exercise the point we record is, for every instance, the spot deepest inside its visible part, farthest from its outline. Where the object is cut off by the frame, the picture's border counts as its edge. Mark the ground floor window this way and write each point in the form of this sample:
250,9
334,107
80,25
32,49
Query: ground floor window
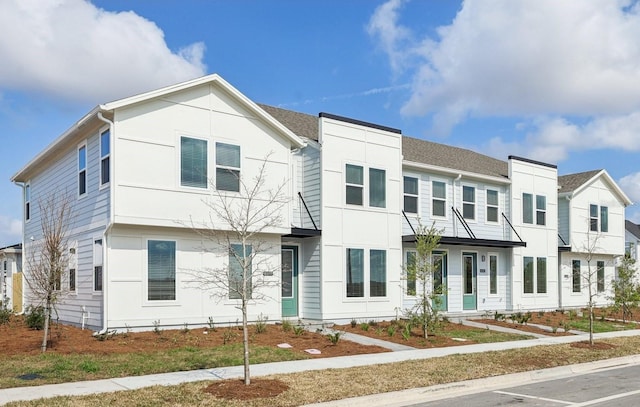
575,266
356,273
410,268
535,275
493,274
161,270
600,276
239,262
378,273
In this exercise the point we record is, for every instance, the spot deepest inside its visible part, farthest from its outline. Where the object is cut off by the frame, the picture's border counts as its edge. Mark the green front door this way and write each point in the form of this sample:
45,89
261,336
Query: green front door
289,281
469,272
440,280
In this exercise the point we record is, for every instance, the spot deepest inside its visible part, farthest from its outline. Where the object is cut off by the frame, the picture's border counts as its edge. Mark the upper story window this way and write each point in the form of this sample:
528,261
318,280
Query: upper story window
492,205
82,170
355,184
541,210
193,162
411,195
438,198
602,221
527,208
27,202
468,202
377,188
105,153
227,167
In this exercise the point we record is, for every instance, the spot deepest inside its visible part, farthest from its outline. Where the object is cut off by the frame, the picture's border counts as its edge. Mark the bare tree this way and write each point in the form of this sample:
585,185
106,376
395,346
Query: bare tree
249,270
420,272
47,257
590,276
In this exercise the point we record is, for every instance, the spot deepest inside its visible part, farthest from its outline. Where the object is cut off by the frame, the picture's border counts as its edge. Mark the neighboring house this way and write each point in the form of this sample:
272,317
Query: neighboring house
632,239
10,269
592,233
356,193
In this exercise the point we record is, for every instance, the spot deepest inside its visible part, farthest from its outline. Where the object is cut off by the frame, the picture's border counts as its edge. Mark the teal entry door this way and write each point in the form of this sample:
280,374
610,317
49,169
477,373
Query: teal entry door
440,281
469,275
289,280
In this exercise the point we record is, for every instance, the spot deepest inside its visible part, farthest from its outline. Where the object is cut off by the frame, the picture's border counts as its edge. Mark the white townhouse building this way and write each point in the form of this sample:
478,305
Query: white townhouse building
10,269
137,170
632,239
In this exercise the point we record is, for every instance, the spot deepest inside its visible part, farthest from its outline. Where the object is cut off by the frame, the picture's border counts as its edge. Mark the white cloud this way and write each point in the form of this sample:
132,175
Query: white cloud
630,184
523,58
71,49
10,231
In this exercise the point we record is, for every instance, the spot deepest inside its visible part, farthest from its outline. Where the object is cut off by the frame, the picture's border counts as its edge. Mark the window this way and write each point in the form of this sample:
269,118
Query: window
576,276
161,270
377,188
193,162
468,202
528,275
604,219
72,279
82,170
593,218
355,184
378,273
27,202
493,274
355,273
227,167
5,265
411,272
541,210
527,208
411,195
97,265
104,157
239,262
492,205
600,276
438,198
541,275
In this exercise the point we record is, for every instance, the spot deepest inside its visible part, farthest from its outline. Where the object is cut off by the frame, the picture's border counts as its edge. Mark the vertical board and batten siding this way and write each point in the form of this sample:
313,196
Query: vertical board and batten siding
310,287
128,291
153,130
359,227
542,240
90,215
563,221
307,174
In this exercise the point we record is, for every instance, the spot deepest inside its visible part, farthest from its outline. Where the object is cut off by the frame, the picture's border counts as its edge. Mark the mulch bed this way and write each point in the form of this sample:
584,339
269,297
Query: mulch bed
522,327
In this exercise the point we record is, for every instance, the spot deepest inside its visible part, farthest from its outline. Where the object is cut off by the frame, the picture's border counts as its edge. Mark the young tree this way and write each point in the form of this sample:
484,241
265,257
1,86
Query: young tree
626,291
47,257
248,216
420,273
590,277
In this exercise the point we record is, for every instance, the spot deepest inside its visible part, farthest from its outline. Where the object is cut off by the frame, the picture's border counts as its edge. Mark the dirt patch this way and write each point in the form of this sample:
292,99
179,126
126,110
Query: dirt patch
593,346
16,339
237,390
522,327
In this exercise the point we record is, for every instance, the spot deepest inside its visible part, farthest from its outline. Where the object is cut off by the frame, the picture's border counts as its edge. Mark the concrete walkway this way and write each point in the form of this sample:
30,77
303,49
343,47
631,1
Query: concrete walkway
165,379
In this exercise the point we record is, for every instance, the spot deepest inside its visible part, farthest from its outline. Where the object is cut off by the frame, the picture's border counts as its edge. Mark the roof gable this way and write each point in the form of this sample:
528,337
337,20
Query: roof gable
572,184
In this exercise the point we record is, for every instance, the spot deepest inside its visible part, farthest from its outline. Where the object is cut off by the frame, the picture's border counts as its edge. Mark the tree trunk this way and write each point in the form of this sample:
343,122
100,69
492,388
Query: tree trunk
47,318
591,323
245,343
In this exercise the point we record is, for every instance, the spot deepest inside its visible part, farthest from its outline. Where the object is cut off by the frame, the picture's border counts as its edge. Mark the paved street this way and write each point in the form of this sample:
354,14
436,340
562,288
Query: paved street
610,387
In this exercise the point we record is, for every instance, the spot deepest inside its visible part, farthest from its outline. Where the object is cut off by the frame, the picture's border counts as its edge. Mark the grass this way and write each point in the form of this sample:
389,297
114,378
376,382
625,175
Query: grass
599,325
56,368
333,384
483,335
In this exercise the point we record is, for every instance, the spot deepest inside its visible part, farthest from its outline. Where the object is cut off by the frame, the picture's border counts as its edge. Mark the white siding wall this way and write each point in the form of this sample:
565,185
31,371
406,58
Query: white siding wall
573,299
90,214
307,173
542,241
360,227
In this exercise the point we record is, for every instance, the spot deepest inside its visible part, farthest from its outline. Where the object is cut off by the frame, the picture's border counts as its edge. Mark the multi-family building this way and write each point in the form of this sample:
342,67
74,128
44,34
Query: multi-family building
137,170
11,277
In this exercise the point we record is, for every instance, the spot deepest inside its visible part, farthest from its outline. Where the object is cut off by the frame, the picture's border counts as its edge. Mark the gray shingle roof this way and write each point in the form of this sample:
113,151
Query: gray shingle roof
301,124
571,182
632,228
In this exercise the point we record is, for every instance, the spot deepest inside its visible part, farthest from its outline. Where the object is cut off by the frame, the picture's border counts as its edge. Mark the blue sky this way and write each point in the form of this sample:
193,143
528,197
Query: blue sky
553,81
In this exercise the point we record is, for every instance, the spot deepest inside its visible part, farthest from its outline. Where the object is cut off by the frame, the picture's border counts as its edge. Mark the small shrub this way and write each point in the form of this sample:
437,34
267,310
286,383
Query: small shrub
298,330
554,329
156,327
406,332
105,335
261,323
379,331
34,317
517,317
211,324
5,315
185,328
373,322
391,330
572,314
566,326
354,323
228,335
541,313
334,337
286,325
364,326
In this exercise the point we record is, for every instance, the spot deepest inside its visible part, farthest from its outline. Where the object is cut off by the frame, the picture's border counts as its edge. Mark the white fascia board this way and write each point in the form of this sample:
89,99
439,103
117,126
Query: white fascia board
51,148
612,184
454,172
209,79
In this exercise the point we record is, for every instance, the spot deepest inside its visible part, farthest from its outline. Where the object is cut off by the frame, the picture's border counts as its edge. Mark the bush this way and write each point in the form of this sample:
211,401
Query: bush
34,317
5,315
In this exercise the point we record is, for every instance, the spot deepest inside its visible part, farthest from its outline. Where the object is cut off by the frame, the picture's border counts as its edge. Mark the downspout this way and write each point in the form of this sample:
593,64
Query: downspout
453,219
105,236
24,247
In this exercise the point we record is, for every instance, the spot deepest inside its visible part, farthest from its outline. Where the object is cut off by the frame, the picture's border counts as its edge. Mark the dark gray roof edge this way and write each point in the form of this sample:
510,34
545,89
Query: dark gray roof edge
359,122
632,228
17,246
530,161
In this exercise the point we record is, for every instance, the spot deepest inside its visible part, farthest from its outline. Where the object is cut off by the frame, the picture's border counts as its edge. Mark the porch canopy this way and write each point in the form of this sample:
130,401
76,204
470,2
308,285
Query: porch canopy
467,241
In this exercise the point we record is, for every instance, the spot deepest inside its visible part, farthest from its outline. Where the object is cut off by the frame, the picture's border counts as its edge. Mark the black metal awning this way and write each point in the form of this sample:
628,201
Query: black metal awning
467,241
562,249
303,232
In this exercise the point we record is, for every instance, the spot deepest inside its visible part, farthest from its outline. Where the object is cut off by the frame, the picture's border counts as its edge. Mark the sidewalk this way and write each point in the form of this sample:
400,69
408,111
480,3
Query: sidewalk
174,378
